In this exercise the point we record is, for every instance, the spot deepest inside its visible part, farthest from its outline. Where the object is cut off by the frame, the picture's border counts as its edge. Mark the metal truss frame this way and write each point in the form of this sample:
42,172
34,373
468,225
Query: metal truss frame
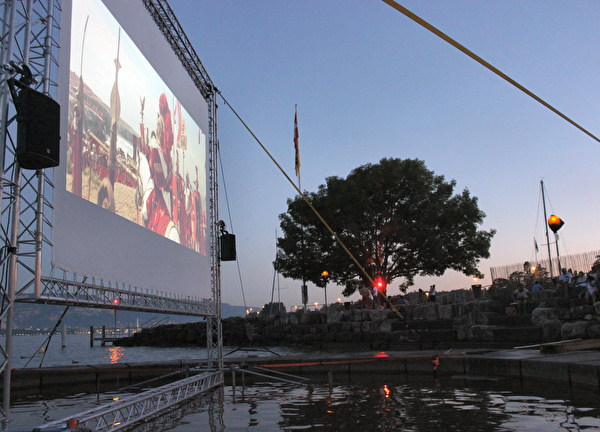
29,37
166,21
213,401
83,294
30,34
127,412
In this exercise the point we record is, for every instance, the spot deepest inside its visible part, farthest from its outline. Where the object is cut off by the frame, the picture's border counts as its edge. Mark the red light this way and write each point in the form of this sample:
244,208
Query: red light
380,283
116,301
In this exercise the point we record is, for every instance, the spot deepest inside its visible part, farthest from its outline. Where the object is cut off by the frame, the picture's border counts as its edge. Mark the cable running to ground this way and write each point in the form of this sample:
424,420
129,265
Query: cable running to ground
231,224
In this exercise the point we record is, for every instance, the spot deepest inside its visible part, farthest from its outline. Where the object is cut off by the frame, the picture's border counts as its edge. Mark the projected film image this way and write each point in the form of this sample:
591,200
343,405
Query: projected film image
132,148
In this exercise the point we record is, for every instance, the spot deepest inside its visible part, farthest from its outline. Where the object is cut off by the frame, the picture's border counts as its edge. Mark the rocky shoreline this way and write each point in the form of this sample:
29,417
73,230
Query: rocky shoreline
489,322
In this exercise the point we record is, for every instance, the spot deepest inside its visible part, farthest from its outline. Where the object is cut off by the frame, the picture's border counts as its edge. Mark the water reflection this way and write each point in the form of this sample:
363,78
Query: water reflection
431,406
115,354
378,405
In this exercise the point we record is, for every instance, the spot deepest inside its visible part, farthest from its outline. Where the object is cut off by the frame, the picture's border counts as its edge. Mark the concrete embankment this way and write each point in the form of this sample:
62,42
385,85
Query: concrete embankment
577,369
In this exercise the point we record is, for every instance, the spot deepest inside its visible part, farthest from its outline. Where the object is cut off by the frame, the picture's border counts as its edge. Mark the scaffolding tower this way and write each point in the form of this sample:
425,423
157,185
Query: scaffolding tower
30,37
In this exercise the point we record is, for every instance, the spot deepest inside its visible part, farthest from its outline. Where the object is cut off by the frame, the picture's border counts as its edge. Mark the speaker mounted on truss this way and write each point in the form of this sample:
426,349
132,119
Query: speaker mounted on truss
38,130
38,123
227,250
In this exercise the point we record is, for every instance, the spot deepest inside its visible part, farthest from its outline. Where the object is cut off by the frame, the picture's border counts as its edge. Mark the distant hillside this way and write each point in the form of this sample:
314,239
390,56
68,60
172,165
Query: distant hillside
39,316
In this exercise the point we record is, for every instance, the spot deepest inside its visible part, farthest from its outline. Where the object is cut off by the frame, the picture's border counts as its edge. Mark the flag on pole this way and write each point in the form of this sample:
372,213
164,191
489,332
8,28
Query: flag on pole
297,158
536,245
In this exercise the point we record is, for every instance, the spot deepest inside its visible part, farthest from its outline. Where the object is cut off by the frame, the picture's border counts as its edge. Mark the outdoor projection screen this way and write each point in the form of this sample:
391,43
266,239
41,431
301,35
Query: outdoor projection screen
130,196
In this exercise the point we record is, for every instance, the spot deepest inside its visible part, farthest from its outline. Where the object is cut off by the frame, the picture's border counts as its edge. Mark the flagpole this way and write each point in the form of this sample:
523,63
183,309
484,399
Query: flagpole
304,288
546,224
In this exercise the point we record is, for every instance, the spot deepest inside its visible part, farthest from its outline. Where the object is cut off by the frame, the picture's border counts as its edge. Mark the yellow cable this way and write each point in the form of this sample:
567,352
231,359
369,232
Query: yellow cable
481,61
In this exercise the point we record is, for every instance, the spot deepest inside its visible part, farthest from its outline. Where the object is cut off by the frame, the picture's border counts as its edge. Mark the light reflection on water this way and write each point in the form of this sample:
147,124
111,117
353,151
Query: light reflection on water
422,405
115,354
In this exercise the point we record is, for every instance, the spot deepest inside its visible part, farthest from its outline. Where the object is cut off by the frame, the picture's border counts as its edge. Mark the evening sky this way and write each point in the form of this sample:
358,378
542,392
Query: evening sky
370,83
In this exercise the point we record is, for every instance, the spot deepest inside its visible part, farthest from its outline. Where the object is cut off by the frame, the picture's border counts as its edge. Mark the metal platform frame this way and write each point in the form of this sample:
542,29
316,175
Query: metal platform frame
30,35
129,411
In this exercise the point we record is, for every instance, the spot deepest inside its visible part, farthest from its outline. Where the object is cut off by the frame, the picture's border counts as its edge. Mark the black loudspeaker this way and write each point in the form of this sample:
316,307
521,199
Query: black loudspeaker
38,130
227,247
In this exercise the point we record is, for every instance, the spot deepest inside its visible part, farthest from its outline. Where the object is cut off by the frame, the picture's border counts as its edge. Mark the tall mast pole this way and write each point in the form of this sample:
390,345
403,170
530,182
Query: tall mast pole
546,225
297,167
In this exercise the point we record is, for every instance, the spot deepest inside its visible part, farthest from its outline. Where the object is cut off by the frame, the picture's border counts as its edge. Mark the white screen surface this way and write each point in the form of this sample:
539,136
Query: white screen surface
130,192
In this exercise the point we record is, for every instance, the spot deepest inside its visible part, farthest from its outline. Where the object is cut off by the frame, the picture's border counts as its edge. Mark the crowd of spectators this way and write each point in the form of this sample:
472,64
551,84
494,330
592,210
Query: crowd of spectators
583,285
568,284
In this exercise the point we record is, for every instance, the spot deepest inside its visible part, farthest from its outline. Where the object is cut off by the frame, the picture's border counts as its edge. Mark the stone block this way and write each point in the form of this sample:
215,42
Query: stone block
484,318
447,311
462,323
357,327
334,327
574,330
466,308
593,331
335,317
390,314
481,333
551,330
308,318
427,311
488,306
346,327
398,325
386,326
541,315
369,327
377,315
579,312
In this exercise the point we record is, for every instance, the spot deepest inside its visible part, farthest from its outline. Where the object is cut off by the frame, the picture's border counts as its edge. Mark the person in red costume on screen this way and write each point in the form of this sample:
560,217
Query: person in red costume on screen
178,202
195,205
156,213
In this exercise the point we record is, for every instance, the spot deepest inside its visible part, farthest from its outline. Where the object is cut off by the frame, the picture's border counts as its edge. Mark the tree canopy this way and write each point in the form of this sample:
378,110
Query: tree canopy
397,218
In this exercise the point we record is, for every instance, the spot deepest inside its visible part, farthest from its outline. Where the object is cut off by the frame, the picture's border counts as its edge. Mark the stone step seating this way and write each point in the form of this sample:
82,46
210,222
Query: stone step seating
511,320
509,330
441,330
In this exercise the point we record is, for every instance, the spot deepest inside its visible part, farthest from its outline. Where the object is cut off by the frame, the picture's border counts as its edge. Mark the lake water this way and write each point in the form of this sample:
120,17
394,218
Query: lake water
356,403
77,350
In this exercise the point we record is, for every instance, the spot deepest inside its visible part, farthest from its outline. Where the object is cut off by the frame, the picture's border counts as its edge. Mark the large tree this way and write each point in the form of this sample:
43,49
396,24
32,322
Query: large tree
397,218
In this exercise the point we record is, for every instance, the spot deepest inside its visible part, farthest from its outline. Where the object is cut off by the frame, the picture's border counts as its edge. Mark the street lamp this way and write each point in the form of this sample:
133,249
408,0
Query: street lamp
324,276
555,223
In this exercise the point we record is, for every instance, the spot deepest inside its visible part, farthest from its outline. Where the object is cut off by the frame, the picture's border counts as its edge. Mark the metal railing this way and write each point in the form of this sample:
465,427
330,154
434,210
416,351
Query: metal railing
577,262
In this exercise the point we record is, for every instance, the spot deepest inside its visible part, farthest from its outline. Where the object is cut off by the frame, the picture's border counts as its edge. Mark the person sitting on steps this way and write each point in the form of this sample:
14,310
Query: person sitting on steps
522,297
